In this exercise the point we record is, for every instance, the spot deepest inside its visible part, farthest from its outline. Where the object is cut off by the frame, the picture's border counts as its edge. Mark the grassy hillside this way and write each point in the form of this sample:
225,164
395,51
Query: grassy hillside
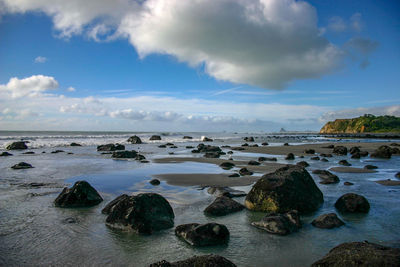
364,124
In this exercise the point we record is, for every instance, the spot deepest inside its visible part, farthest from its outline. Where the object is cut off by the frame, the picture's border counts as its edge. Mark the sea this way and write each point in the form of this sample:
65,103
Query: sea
33,232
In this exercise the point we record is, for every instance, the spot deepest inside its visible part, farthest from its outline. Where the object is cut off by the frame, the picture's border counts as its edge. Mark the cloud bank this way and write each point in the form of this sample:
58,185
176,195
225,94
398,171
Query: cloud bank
30,86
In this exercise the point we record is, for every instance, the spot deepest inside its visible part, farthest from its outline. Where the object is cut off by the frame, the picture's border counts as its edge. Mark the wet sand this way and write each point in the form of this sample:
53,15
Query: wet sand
388,182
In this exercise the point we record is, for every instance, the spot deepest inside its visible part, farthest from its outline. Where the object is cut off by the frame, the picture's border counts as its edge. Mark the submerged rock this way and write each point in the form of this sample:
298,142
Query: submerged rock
327,177
280,224
124,154
227,165
290,156
326,155
187,137
324,160
143,213
344,162
253,162
197,261
348,183
288,188
314,158
370,167
155,138
340,150
354,150
222,206
220,191
360,254
134,140
303,164
267,159
75,144
17,146
110,147
199,235
327,221
81,194
234,175
352,203
22,165
245,171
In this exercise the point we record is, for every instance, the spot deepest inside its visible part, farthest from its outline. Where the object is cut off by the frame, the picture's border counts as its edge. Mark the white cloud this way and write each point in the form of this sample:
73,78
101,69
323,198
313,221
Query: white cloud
40,59
71,89
356,112
31,86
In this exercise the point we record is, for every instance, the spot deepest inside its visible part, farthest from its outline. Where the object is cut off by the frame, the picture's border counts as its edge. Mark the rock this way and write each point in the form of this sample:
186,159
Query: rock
309,151
110,147
155,182
207,148
394,144
169,144
173,147
199,235
75,144
211,155
249,139
314,158
288,188
370,167
327,221
290,156
143,213
354,150
397,175
286,144
329,146
189,147
255,145
364,153
124,154
227,165
22,165
134,140
187,137
155,138
340,150
302,164
327,177
220,191
245,171
5,154
140,157
265,144
197,261
17,145
223,206
360,254
234,175
324,160
267,159
238,148
230,152
383,152
81,194
245,144
70,220
253,162
348,183
326,155
280,224
344,162
206,139
57,151
28,153
356,155
162,146
353,203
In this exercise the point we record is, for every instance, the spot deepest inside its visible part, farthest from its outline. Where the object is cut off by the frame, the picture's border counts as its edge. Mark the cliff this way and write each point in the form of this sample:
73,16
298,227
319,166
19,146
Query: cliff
364,124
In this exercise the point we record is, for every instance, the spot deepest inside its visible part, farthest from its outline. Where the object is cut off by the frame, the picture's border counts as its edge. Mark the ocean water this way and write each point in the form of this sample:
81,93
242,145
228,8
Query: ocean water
33,232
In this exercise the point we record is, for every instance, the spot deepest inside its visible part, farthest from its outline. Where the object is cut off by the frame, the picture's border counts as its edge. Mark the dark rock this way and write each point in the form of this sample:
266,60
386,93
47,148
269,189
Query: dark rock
171,153
220,191
253,162
353,203
354,150
238,148
394,144
340,150
206,139
267,159
110,147
309,151
286,144
70,153
397,175
370,167
187,137
329,146
230,152
75,144
265,144
169,144
144,161
324,160
143,213
199,235
140,157
227,165
314,158
245,171
134,140
22,165
255,145
207,148
124,154
288,188
197,261
211,155
280,224
223,206
364,153
17,145
29,153
356,155
234,175
326,155
360,254
162,146
327,221
5,154
383,152
245,144
303,164
155,138
173,147
344,162
189,147
81,194
195,151
249,139
327,177
348,183
57,151
155,182
290,156
225,146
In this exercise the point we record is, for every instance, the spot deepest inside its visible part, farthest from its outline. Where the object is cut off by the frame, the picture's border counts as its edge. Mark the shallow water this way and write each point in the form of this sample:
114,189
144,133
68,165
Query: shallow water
33,232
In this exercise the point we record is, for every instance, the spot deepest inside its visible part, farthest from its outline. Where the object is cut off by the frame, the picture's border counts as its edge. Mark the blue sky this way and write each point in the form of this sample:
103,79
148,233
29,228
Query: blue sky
92,65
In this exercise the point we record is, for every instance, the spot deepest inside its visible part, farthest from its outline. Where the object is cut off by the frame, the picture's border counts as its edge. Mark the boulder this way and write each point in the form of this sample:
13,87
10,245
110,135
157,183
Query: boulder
187,137
220,191
302,164
249,139
5,154
81,194
207,148
264,144
154,182
364,153
327,177
354,150
370,167
340,150
124,154
155,138
143,213
383,152
344,162
17,145
197,261
134,140
139,157
227,165
309,151
245,144
327,221
245,171
223,206
360,254
397,175
206,139
286,144
288,188
199,235
253,162
267,159
280,224
75,144
21,165
352,203
290,156
110,147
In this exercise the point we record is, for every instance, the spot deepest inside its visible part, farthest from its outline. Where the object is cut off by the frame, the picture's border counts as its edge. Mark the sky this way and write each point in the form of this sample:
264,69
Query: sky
198,65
